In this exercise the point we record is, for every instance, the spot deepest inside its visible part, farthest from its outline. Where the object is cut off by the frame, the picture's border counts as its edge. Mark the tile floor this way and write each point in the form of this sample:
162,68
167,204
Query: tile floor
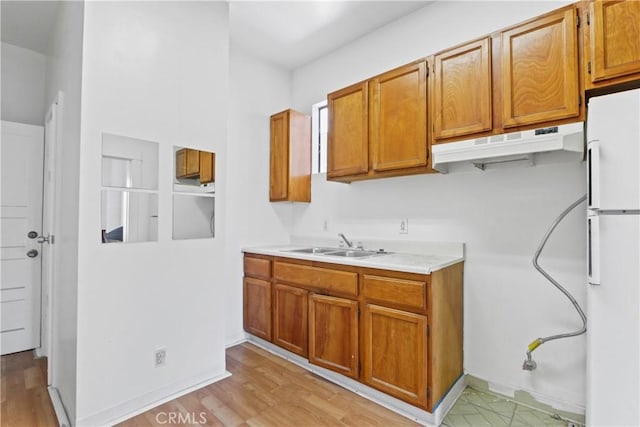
475,408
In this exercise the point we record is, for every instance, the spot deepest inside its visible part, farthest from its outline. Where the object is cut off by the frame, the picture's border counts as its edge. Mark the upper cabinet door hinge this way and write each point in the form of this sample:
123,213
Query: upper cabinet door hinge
589,67
588,19
578,20
427,69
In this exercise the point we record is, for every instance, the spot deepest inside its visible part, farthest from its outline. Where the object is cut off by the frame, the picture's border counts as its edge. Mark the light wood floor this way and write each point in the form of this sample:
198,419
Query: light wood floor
265,390
25,400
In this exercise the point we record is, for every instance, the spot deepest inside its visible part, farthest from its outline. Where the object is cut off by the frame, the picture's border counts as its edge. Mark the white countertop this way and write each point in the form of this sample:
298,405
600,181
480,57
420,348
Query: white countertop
432,259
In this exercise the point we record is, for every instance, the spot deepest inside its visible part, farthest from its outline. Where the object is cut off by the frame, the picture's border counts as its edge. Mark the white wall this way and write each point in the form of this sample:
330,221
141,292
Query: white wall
157,71
500,214
64,73
23,85
258,90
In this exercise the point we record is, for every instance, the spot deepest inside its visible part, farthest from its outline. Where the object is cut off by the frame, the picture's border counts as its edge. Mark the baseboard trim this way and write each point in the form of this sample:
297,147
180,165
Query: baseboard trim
236,340
382,399
131,408
58,407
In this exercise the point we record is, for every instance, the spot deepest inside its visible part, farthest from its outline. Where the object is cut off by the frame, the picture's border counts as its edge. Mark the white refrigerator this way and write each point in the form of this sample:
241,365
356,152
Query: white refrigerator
613,260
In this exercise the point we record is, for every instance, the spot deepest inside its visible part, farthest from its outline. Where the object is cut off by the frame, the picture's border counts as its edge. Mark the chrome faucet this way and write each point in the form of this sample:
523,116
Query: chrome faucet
349,244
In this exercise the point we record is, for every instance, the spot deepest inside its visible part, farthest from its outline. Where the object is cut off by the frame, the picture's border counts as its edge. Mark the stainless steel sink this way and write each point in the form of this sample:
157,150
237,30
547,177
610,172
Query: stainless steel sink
353,253
316,250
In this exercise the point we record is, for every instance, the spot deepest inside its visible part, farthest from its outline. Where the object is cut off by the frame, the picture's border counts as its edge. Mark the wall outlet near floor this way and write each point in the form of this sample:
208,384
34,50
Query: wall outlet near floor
161,357
404,226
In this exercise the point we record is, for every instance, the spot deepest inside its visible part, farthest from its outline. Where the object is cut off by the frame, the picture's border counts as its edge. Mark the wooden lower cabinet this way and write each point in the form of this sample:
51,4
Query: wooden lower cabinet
257,307
333,334
290,318
398,332
394,353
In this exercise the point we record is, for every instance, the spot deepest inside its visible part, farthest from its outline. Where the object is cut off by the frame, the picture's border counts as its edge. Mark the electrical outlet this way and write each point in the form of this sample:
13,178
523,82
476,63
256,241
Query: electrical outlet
404,226
161,357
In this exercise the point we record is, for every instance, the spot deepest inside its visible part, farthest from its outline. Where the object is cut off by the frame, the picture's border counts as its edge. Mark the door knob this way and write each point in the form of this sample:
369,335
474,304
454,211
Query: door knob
32,253
32,234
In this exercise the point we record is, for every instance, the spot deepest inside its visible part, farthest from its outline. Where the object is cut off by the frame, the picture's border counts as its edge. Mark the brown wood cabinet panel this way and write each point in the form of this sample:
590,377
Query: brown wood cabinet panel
398,118
333,334
615,39
446,338
279,157
387,290
348,134
207,167
257,307
540,70
394,353
462,90
333,281
290,318
290,157
187,163
257,267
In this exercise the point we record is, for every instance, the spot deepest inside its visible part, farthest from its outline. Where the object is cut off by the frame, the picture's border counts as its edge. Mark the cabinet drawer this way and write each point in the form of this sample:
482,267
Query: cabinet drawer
257,267
407,293
332,281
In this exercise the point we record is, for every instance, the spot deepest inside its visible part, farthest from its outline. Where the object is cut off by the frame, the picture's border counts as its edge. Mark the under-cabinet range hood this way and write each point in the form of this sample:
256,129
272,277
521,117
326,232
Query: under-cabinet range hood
516,147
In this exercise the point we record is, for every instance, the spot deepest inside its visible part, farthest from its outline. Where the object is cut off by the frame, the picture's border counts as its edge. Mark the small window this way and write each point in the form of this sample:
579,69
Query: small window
319,129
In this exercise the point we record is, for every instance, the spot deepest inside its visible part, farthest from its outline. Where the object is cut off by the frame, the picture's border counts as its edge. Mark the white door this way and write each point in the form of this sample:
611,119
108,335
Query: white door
21,153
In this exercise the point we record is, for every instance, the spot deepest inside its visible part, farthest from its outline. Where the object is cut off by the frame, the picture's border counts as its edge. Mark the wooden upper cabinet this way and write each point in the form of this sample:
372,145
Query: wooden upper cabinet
398,118
348,136
462,90
333,334
290,157
395,353
614,32
540,70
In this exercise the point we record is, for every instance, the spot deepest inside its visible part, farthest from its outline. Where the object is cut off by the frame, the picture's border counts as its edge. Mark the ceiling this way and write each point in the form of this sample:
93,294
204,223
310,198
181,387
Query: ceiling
293,33
28,24
287,33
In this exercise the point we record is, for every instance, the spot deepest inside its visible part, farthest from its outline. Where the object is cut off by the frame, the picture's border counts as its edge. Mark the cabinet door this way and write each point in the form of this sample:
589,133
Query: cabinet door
333,334
279,157
290,318
348,134
181,163
395,353
193,162
462,90
207,167
615,39
257,307
398,118
540,70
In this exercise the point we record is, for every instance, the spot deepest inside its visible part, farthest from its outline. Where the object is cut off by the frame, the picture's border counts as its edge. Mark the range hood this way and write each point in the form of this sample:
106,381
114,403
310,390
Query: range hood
516,147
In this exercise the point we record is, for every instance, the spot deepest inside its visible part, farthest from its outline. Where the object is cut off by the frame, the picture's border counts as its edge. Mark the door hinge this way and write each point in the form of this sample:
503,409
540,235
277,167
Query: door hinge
427,69
578,20
579,100
589,67
588,19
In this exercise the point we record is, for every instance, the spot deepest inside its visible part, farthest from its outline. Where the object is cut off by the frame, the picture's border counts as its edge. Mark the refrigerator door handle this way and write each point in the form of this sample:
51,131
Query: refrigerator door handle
593,249
593,174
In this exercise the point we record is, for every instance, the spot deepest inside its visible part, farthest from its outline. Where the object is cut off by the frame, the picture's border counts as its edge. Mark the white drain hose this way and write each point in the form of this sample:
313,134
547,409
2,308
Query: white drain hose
529,364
